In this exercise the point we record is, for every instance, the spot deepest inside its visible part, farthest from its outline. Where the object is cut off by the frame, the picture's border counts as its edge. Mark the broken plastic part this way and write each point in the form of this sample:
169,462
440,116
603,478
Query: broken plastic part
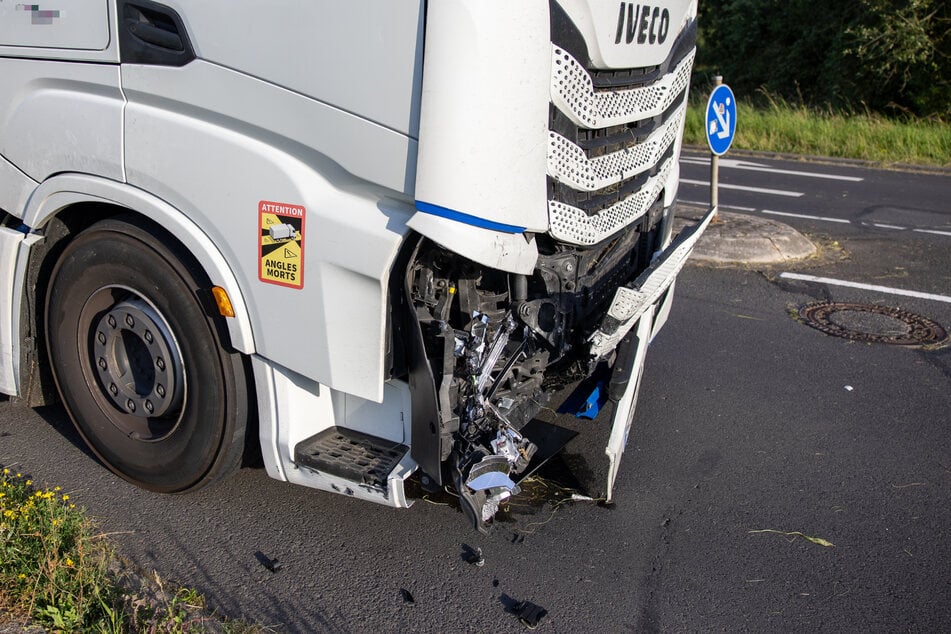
502,338
273,565
530,614
491,480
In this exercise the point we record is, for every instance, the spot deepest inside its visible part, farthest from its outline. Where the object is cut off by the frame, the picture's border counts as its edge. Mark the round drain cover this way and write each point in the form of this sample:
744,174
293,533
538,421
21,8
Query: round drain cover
871,323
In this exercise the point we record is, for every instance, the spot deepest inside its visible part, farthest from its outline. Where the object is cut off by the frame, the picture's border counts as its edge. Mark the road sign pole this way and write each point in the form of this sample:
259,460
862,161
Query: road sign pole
715,169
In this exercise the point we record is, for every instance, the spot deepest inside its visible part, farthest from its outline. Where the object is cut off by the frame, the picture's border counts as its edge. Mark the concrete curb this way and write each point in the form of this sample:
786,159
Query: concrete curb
740,239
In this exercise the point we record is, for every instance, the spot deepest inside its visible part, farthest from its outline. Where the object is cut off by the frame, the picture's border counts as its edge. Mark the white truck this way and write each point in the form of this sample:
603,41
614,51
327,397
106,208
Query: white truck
377,234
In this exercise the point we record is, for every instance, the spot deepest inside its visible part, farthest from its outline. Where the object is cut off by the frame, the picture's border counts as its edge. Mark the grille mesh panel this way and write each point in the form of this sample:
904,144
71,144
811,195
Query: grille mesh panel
571,224
569,163
574,94
611,150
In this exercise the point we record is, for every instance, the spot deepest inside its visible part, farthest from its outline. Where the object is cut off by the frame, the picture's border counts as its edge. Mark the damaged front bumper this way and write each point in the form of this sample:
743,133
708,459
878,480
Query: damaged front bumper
488,349
632,313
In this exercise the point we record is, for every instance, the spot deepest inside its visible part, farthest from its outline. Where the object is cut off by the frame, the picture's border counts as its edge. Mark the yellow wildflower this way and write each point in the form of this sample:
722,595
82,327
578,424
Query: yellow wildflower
65,498
28,482
56,488
69,562
21,576
6,472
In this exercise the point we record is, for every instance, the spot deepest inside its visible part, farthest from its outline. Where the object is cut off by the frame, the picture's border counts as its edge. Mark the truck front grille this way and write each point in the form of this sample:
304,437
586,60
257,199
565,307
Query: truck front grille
611,141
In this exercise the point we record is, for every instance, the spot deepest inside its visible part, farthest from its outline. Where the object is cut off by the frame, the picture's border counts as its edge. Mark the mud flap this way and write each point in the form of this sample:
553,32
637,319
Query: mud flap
627,400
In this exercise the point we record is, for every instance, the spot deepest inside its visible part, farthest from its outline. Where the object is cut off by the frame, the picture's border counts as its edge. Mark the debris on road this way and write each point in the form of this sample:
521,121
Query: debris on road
472,555
274,565
795,534
529,614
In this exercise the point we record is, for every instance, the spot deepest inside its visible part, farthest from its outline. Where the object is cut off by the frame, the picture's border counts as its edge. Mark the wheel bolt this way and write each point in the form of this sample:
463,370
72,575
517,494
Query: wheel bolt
101,337
129,321
113,389
160,390
160,362
148,406
130,404
112,321
102,363
148,336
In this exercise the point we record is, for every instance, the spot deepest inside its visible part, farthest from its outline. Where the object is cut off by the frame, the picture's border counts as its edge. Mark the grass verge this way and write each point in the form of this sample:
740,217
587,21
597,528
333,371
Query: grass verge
779,126
59,573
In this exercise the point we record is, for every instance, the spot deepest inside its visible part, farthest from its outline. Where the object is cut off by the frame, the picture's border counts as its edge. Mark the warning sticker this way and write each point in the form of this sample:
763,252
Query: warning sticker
281,244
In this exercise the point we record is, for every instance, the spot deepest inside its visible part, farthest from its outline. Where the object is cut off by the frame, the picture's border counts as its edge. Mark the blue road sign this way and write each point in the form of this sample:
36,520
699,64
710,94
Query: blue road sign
721,119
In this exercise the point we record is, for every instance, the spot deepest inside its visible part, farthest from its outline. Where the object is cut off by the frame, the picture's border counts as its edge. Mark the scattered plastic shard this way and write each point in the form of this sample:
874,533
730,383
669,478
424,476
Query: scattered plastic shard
530,614
474,557
592,405
491,480
407,597
487,464
271,564
491,506
504,444
849,388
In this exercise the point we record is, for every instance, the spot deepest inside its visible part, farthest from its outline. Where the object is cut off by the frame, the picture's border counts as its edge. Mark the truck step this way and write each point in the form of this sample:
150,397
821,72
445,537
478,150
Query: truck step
351,455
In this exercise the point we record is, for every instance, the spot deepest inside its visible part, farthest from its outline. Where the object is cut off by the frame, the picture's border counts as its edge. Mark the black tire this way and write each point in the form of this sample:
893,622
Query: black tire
140,363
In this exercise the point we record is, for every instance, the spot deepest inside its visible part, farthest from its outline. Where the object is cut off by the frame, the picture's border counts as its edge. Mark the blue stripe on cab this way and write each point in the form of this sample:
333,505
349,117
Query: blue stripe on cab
468,219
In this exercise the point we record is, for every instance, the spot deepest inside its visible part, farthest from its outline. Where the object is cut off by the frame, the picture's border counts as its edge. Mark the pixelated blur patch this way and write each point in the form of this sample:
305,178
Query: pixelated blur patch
38,15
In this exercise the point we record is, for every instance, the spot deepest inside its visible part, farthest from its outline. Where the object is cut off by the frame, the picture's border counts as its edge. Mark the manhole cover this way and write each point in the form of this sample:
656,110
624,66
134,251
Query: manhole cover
871,323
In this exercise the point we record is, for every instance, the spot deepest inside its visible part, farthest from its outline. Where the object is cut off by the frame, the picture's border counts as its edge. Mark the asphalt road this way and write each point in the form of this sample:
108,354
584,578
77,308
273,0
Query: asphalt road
748,421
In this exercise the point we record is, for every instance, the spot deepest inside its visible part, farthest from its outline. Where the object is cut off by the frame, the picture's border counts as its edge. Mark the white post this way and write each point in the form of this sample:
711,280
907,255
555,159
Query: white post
715,168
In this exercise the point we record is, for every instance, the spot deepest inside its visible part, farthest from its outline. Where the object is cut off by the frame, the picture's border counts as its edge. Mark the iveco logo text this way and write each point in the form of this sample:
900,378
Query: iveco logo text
648,24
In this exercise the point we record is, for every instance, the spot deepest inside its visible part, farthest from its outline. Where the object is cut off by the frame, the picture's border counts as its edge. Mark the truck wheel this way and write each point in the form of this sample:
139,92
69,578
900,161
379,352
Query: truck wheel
139,362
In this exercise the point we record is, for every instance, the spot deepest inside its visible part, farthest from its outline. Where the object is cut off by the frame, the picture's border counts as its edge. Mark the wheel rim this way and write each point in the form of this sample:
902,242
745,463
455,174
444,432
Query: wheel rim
133,363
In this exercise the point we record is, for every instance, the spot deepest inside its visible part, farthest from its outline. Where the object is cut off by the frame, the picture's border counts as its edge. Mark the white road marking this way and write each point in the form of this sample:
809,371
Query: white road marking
770,212
822,218
758,190
866,287
933,231
707,204
758,167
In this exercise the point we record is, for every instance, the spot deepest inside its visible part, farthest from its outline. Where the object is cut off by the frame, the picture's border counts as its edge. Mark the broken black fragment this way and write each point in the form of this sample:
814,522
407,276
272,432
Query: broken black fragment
472,556
407,597
273,565
529,614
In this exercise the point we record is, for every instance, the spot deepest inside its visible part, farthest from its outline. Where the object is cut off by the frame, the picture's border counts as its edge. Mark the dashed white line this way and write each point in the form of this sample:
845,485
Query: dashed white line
933,231
757,190
771,212
757,167
822,218
707,204
866,287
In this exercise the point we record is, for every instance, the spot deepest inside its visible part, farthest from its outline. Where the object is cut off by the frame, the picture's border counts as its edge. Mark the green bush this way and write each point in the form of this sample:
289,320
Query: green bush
884,56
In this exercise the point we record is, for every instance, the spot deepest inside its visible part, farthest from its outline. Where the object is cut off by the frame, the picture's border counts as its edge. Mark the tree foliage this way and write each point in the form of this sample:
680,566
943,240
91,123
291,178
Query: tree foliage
886,56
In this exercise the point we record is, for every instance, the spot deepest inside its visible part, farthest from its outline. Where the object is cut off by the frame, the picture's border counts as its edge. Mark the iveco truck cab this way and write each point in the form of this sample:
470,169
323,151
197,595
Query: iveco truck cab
373,237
